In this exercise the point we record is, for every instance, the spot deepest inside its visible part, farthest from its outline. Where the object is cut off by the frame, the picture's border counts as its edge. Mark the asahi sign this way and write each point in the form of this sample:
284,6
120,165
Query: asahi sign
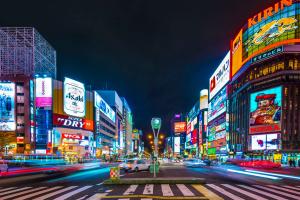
74,98
72,122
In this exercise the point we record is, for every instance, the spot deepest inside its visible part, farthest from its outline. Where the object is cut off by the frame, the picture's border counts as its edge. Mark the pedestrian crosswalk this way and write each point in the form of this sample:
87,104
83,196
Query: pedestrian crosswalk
149,191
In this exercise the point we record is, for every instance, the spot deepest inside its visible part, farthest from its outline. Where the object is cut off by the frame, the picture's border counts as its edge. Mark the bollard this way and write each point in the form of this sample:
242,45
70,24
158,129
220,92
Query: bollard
114,173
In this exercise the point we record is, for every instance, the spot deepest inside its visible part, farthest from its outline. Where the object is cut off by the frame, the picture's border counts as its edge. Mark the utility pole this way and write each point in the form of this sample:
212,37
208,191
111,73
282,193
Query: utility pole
155,124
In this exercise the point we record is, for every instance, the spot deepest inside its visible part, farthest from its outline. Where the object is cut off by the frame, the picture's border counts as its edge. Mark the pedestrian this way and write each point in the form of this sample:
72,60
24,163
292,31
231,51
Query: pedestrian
290,162
294,163
299,162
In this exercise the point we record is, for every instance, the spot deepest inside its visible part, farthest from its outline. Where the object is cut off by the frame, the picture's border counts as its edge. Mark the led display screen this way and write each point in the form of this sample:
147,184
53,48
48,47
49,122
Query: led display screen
43,92
179,127
265,111
104,107
176,144
7,107
217,106
74,98
220,77
275,26
265,141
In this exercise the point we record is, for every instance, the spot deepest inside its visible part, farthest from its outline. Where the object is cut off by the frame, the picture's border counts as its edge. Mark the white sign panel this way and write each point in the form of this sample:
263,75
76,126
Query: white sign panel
7,107
220,78
43,92
74,98
258,142
104,107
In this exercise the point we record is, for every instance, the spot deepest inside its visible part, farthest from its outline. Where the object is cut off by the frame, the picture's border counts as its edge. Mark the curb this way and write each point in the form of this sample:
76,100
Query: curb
133,181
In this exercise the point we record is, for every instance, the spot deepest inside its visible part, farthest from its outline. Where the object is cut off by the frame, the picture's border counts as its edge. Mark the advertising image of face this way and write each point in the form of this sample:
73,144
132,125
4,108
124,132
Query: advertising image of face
258,142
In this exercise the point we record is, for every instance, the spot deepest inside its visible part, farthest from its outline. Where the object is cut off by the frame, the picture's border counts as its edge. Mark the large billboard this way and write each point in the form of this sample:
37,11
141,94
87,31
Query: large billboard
265,111
104,107
179,127
7,107
275,26
176,144
43,92
217,106
74,98
265,141
203,99
220,77
73,122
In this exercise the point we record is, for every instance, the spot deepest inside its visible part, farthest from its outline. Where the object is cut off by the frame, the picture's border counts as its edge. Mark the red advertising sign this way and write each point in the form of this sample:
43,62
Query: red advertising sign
265,128
194,136
20,140
72,136
179,127
73,122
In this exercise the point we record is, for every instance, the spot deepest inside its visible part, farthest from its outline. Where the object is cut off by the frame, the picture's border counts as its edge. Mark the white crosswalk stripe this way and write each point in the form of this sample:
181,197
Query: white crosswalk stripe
284,189
130,190
65,196
5,189
184,190
37,193
55,193
224,192
292,187
278,192
262,192
148,189
166,190
13,191
21,193
244,192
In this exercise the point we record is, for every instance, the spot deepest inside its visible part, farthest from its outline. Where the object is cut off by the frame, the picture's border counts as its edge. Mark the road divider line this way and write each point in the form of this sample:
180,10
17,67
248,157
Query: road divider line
166,190
284,189
149,197
224,192
148,189
55,193
21,193
244,192
253,174
73,193
130,190
184,190
37,193
262,192
97,196
277,192
207,193
13,191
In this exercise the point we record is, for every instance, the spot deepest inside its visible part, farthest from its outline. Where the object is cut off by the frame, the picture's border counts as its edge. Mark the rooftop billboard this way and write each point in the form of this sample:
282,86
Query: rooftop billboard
275,26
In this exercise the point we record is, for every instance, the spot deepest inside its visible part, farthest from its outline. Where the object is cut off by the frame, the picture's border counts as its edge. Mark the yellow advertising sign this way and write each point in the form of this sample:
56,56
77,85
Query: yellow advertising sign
237,53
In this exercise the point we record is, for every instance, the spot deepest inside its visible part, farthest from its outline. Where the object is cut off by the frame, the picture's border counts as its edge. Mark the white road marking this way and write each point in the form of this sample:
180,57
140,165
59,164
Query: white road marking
277,192
108,191
148,189
13,191
97,196
55,193
263,193
81,198
20,193
184,190
37,193
284,189
244,192
73,193
224,192
166,190
5,189
130,190
100,183
291,187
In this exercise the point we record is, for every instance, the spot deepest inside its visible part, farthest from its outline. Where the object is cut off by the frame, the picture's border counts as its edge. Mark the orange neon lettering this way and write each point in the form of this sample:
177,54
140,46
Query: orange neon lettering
252,21
259,16
268,12
285,3
276,8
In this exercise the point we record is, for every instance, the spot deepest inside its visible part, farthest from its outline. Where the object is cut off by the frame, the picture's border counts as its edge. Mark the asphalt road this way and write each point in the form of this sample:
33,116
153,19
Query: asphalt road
221,183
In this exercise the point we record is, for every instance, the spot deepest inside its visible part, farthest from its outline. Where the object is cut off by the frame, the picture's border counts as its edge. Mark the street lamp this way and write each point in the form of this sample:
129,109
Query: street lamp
155,124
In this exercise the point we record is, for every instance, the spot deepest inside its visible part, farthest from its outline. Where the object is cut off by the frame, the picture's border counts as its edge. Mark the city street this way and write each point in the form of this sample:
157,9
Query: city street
220,184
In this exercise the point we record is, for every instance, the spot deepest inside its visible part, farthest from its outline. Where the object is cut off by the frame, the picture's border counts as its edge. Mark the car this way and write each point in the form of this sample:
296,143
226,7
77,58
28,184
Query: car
135,165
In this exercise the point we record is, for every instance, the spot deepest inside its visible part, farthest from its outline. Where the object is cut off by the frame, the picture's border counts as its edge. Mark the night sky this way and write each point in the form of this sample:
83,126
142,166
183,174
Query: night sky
157,54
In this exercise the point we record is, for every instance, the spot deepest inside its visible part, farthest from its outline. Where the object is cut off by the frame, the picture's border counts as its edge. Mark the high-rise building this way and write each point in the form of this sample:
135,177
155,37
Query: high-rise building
128,126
